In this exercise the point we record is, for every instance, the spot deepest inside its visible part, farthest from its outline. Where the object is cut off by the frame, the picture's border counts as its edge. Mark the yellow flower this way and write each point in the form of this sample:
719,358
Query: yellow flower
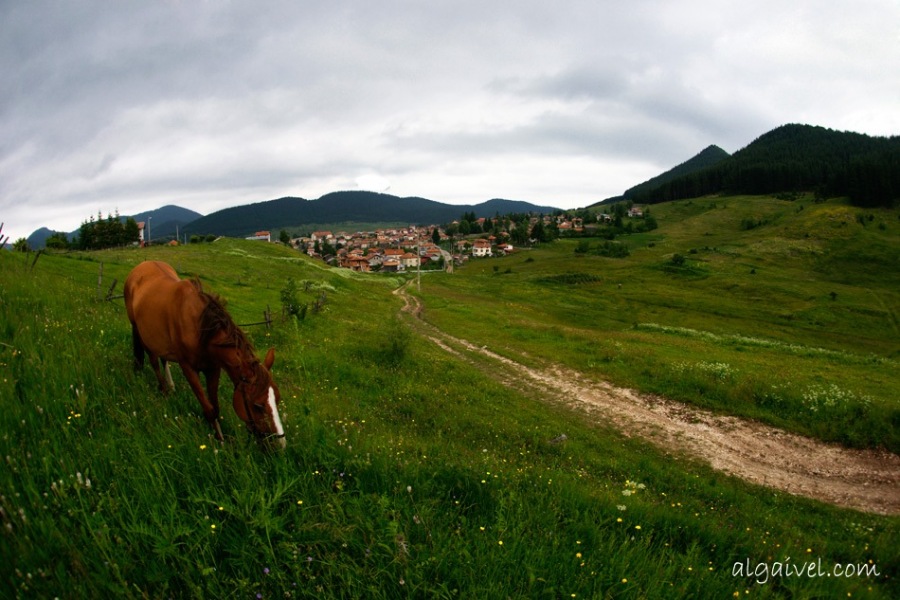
637,526
578,555
299,502
624,580
500,542
203,446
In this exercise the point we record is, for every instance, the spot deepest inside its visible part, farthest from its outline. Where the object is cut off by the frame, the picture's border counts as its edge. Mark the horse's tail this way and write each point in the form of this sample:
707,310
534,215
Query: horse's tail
138,346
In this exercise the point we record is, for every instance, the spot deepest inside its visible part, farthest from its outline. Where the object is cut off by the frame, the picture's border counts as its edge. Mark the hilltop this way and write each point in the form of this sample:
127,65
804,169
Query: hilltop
299,214
708,157
342,207
796,158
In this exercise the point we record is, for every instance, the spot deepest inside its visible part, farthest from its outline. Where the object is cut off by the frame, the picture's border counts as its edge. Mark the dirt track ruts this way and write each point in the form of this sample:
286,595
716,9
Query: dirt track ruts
866,480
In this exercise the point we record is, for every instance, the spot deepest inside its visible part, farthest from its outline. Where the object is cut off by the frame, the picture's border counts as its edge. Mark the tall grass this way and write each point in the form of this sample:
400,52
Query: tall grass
407,474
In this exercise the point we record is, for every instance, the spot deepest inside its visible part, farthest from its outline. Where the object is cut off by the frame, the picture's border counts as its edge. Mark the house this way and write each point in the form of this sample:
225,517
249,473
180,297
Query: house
357,262
635,211
482,248
390,265
264,236
409,260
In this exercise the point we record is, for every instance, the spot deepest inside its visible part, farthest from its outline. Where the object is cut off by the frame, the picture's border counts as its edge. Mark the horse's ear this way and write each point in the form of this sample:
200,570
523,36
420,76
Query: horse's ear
270,358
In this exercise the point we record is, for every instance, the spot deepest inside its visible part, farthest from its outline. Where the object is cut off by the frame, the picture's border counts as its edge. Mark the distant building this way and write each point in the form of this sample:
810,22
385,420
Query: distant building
264,236
482,248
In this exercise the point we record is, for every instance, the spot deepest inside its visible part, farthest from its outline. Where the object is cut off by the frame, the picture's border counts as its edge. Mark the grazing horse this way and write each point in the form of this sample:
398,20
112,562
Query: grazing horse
175,320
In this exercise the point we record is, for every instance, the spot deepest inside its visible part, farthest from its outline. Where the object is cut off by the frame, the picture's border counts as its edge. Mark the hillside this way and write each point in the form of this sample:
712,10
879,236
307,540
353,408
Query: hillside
708,157
796,158
405,454
423,467
298,214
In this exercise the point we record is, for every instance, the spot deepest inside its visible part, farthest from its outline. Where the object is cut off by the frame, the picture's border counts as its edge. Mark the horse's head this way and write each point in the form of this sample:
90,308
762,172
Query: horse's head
256,399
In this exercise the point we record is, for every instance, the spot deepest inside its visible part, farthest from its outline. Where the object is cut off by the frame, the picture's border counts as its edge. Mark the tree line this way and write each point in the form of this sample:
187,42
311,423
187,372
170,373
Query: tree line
796,158
111,232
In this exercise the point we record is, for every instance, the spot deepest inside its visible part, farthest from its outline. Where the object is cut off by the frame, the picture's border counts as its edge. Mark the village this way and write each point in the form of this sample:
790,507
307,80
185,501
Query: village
430,247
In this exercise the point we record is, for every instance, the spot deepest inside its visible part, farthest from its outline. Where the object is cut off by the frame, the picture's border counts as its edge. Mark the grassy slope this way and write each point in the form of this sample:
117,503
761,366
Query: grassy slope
405,473
747,326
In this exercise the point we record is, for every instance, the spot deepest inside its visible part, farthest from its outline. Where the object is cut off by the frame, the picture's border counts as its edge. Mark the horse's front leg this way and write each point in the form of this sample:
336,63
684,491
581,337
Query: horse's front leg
210,410
212,392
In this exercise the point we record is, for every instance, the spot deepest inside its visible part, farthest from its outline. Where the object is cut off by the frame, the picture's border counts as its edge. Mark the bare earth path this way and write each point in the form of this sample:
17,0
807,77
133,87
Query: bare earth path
865,480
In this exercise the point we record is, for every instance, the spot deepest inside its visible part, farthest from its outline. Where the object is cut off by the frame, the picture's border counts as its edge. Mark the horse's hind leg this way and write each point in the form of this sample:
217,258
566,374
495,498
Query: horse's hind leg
167,367
154,362
138,347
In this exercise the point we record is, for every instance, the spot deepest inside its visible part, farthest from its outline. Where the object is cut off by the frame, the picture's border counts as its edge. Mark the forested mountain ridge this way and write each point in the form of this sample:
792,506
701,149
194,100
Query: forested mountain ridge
708,157
798,158
351,206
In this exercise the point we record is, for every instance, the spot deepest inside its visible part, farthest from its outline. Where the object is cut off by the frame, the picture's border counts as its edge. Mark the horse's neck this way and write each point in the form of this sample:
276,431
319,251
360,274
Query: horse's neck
235,362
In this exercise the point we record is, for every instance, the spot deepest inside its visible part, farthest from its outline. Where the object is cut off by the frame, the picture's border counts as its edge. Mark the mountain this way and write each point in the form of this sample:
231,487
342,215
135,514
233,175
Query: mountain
38,239
708,157
164,222
340,207
797,158
167,220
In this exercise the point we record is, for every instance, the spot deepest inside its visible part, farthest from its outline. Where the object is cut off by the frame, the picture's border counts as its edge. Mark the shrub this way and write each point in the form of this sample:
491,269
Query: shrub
612,250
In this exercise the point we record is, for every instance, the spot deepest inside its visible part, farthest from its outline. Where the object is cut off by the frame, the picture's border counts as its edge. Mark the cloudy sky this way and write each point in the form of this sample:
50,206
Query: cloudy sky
132,105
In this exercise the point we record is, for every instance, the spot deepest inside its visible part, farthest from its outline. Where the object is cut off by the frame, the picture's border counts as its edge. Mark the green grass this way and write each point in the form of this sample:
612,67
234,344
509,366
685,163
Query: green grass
407,474
801,311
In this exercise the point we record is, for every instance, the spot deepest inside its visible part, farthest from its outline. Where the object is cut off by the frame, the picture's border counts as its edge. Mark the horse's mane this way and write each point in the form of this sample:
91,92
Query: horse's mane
215,319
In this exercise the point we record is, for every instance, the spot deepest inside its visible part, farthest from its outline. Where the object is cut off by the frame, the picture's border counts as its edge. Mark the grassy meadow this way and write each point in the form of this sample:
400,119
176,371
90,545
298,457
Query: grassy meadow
794,321
411,474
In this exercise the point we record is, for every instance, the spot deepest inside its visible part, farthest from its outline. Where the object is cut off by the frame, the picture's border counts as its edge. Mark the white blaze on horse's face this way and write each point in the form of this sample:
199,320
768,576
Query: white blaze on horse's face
276,419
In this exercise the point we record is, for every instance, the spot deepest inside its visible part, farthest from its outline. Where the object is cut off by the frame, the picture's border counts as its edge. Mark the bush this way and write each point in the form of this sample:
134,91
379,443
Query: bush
290,302
612,250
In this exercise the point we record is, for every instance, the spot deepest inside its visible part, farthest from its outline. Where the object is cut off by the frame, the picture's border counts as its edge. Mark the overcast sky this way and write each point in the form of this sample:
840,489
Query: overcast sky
132,105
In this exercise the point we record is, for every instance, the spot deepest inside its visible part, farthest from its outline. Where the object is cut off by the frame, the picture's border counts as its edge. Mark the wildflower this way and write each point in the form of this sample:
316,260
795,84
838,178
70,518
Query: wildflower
637,526
624,580
203,446
578,555
500,542
621,506
266,571
299,502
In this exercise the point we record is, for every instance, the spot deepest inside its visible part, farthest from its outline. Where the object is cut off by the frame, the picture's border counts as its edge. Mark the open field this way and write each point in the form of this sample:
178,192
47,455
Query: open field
794,322
411,474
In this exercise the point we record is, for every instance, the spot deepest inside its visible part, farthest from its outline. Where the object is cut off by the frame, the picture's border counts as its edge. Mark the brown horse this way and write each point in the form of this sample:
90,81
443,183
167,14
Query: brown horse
175,320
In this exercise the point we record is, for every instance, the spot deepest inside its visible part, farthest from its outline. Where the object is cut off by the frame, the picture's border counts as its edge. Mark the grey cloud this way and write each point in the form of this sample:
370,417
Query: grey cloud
119,104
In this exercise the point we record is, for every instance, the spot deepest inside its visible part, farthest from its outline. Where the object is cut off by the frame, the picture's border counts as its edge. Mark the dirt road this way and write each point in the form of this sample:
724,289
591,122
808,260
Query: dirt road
865,480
